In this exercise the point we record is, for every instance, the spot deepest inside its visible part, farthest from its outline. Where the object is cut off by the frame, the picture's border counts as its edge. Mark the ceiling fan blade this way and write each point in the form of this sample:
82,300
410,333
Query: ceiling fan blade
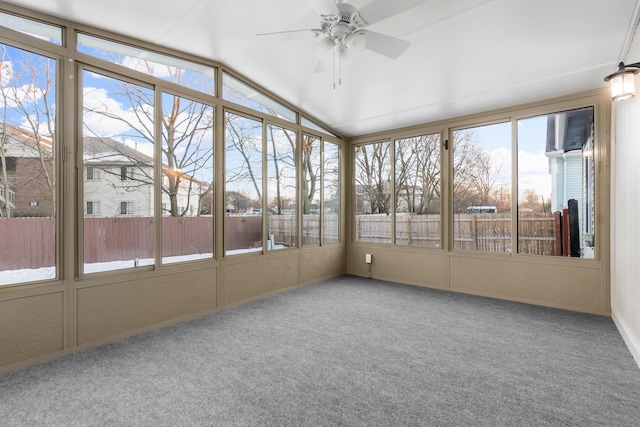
293,34
378,10
324,7
388,46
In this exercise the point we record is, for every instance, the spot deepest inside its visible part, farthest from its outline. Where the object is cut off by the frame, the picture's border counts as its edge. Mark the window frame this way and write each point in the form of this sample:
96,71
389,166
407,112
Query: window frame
20,40
594,98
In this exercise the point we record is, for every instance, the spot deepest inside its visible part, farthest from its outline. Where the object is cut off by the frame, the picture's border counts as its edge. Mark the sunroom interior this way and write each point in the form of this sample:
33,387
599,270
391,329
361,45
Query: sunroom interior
156,170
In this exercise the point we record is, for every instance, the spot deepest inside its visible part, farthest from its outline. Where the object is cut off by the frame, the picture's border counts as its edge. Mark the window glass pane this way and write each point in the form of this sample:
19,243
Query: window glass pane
243,184
117,140
187,179
331,211
311,125
27,166
310,190
417,191
185,73
482,188
37,29
556,184
241,93
372,203
281,187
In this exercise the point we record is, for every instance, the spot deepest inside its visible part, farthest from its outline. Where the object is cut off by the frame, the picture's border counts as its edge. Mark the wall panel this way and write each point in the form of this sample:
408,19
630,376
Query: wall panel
119,308
250,279
570,287
422,268
31,327
322,264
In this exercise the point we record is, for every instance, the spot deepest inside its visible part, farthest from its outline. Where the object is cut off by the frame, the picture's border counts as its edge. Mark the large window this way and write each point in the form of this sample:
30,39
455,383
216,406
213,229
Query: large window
372,192
281,188
243,184
140,172
28,178
311,180
187,184
417,191
118,139
237,91
482,188
175,70
331,199
42,31
556,188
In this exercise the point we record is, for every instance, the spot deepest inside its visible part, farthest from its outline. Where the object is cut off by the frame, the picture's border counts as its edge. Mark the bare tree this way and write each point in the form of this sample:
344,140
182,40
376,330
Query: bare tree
310,170
531,200
484,177
28,90
243,144
418,172
373,180
187,144
281,162
466,151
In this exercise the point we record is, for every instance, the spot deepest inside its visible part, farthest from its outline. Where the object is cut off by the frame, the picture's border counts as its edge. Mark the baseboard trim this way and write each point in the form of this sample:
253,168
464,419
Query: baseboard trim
630,340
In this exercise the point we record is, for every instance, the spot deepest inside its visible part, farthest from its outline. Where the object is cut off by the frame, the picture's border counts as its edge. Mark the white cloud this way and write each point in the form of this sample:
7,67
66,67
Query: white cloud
533,173
96,103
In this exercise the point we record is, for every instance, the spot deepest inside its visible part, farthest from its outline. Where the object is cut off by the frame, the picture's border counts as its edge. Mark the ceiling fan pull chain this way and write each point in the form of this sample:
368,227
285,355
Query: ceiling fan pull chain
335,48
339,69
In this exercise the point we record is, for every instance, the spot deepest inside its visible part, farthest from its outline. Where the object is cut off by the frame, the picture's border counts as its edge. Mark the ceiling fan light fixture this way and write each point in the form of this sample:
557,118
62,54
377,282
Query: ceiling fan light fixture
356,42
324,47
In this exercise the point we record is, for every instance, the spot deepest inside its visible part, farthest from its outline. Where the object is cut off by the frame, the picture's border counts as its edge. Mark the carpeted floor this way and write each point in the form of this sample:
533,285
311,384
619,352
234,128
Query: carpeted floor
345,352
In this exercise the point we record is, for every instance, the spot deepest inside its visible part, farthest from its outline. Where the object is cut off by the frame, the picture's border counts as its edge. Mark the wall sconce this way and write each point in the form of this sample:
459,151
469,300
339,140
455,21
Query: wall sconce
622,81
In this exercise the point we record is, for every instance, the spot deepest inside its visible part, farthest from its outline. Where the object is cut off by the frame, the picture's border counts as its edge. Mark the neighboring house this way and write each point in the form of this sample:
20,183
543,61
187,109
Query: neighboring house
27,186
570,153
118,182
238,202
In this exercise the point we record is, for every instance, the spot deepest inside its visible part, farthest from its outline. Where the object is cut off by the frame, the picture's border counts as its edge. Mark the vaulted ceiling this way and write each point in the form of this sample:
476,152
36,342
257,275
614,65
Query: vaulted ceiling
465,56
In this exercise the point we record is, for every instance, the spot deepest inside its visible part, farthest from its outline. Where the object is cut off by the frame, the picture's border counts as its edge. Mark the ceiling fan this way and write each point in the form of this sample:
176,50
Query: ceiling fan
342,30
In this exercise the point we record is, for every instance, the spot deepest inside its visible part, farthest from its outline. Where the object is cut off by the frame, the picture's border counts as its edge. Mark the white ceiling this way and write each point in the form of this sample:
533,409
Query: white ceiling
466,56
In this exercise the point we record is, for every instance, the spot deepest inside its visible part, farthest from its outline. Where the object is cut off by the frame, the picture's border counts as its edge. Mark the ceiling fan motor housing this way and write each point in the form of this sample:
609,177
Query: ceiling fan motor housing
339,26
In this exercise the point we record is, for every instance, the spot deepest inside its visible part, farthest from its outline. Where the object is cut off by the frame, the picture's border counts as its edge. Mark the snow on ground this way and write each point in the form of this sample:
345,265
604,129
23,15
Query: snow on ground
9,277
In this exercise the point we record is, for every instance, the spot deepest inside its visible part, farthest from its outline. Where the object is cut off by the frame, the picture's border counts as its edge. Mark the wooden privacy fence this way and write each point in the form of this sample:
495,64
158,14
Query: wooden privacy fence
242,232
30,242
283,229
538,233
27,243
116,239
483,232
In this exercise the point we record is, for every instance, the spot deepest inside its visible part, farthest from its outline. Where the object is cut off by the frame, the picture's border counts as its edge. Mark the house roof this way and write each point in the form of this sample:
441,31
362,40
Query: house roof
109,151
574,132
23,142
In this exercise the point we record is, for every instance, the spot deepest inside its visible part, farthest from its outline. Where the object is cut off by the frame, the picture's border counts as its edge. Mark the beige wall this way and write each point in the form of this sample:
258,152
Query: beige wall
35,321
118,308
31,326
573,284
535,281
625,223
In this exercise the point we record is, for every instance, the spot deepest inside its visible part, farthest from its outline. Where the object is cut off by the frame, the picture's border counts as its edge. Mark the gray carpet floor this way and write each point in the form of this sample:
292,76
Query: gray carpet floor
345,352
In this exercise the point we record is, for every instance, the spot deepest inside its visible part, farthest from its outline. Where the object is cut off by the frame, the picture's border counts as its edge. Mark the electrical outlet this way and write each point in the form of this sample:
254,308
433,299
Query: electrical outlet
367,258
